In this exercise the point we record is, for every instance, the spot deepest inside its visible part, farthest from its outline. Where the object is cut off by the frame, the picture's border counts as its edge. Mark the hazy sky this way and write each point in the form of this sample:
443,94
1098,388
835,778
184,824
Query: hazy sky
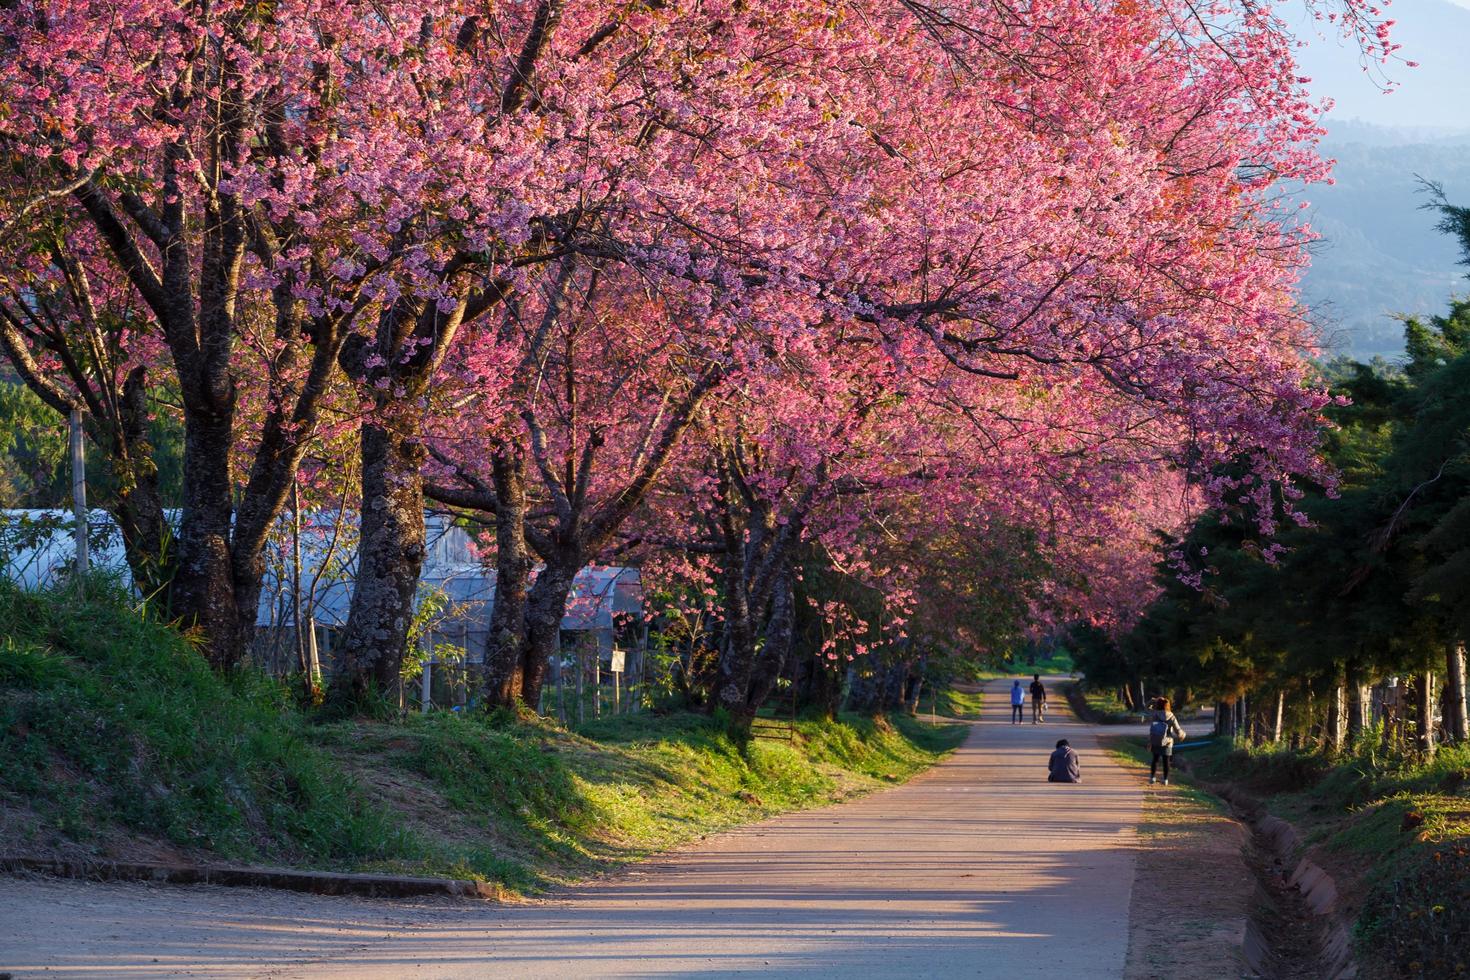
1436,94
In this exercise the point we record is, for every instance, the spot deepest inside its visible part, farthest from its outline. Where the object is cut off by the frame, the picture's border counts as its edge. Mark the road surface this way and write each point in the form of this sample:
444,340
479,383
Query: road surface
976,868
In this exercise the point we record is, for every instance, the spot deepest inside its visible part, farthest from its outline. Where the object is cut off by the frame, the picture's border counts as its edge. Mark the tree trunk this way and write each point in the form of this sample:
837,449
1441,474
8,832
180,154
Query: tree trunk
862,686
1336,719
1424,708
780,634
1389,712
146,535
204,589
914,686
1358,708
545,607
737,653
1456,722
1276,721
505,643
390,555
821,686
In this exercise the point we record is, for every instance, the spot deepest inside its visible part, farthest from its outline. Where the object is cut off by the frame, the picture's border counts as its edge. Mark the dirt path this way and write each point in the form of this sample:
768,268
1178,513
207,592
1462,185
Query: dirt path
977,868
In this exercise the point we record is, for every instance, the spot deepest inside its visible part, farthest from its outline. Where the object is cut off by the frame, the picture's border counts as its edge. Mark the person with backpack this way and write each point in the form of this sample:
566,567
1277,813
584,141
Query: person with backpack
1163,731
1063,767
1038,700
1018,698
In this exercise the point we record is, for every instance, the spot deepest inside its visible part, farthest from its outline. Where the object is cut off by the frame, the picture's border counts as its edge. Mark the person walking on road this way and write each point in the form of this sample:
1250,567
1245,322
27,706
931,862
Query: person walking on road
1018,698
1063,767
1163,731
1038,700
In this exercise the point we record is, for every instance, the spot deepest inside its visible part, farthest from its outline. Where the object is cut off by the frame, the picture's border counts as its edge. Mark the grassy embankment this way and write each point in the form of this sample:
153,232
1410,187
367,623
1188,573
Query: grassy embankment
1100,707
962,702
1394,833
118,742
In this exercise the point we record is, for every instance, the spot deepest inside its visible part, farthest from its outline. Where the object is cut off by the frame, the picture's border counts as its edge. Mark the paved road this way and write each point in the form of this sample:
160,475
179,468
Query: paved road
977,868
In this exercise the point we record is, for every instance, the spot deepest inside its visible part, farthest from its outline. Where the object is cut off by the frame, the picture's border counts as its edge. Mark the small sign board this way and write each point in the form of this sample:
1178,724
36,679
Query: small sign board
618,657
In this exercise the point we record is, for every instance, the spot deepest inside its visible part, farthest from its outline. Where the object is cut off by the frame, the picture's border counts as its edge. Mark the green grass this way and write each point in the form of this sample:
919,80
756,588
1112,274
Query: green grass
117,737
108,721
1403,823
1057,663
1100,706
1132,752
954,703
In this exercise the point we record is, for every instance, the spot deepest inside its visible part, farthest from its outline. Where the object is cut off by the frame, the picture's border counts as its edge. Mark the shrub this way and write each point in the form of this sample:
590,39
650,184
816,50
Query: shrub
1417,922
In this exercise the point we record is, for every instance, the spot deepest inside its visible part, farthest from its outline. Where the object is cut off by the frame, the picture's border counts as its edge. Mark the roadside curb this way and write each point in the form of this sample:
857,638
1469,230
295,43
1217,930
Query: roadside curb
317,882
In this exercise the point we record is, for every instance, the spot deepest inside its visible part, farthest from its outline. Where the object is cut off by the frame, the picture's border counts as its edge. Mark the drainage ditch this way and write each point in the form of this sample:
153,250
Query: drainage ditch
1295,931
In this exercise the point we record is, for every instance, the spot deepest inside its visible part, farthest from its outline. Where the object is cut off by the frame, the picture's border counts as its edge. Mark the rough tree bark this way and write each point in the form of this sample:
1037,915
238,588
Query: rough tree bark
1336,718
192,292
397,365
391,549
203,592
505,645
779,636
1424,714
545,608
1456,722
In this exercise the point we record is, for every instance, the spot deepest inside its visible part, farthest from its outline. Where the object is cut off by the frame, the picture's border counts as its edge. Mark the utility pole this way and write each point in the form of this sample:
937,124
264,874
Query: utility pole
301,660
79,491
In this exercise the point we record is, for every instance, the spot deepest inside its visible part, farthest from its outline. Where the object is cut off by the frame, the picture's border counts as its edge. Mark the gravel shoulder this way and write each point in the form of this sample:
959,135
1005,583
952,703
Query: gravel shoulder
1192,889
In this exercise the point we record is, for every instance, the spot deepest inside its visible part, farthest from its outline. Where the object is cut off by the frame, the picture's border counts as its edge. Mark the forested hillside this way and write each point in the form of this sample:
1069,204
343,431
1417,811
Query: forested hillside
1379,257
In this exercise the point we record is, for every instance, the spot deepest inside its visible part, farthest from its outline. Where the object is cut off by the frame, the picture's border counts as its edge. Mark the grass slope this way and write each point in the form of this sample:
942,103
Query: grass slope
1100,707
119,742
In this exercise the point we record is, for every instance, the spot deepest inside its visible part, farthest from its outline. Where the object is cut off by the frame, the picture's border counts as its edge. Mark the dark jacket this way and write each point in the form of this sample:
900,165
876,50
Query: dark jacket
1171,731
1063,766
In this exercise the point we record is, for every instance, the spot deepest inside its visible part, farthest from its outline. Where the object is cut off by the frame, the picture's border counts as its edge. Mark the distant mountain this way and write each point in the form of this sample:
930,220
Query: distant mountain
1380,254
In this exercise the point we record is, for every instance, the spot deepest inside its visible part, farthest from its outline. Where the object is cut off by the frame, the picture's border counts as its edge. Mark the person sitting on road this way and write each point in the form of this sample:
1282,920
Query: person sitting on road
1163,731
1063,767
1018,698
1038,700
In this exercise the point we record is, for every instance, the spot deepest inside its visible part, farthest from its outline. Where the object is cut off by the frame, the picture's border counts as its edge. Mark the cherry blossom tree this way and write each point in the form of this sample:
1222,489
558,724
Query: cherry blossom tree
610,379
1064,209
